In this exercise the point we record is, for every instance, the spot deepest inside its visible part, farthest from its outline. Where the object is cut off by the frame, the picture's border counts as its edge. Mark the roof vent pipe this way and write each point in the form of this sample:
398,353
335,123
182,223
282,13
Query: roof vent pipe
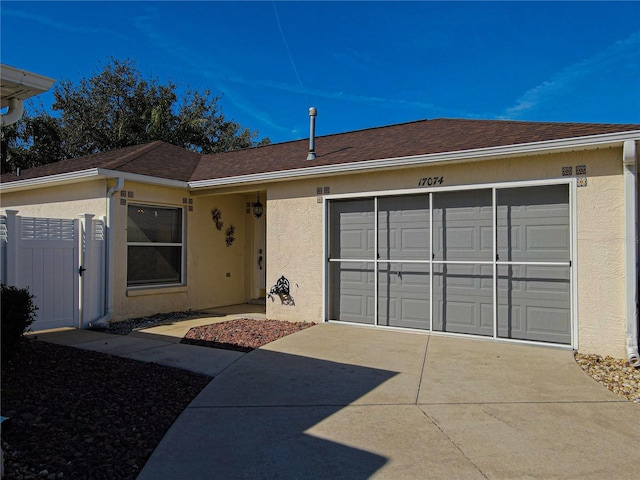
312,133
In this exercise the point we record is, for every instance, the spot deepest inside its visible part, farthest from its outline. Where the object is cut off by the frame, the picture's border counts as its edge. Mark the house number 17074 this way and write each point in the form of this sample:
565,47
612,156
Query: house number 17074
430,181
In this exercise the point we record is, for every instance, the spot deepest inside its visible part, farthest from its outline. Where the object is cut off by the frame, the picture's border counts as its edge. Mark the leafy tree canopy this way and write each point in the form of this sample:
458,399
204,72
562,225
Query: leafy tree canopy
117,108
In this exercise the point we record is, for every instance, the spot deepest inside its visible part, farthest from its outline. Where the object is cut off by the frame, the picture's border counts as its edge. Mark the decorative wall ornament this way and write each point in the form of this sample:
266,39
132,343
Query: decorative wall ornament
282,289
230,232
217,216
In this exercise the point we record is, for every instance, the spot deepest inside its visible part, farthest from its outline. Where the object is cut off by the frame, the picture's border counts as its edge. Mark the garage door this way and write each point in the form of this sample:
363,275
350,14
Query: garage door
533,268
494,262
351,247
463,272
403,261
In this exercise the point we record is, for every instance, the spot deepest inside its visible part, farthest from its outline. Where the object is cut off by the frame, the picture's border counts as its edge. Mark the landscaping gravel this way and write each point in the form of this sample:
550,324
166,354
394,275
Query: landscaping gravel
615,374
125,327
78,414
244,334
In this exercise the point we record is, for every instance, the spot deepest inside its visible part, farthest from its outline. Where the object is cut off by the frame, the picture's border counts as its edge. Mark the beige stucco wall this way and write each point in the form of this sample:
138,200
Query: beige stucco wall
215,273
66,201
209,260
296,229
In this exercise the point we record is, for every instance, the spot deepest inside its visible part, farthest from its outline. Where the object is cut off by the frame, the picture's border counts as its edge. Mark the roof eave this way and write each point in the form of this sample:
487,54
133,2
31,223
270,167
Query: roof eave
50,180
85,175
490,153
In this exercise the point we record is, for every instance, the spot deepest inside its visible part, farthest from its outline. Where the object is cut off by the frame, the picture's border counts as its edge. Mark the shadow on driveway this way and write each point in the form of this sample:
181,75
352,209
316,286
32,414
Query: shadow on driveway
252,422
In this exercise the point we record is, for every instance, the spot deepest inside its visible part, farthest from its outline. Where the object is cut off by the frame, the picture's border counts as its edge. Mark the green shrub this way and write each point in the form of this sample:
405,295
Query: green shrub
18,313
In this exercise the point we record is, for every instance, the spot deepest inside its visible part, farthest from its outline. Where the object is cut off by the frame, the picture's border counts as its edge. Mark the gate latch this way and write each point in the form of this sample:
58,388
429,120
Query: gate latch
81,269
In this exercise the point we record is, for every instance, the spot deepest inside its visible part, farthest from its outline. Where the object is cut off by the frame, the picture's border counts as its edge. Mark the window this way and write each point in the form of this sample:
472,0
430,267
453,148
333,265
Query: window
154,245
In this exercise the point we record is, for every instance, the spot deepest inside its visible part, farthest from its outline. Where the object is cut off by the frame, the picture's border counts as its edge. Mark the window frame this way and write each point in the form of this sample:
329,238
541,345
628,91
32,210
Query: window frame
182,244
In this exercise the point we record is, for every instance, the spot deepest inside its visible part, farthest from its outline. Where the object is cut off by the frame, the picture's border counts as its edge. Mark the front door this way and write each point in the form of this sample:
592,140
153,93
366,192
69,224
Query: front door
259,257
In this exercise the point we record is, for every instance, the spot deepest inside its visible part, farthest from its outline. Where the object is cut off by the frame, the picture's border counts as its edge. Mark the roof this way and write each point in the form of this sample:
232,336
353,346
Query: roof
402,140
157,159
350,150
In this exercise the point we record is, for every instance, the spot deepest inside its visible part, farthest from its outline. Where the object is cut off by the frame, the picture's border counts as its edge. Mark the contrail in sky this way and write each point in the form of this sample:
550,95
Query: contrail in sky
284,40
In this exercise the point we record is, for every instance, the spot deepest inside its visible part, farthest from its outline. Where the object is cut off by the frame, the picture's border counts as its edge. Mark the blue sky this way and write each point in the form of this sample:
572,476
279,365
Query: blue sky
362,64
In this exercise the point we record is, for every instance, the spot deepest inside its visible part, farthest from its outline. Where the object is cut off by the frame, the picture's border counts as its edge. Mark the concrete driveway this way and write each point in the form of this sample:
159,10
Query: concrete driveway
344,402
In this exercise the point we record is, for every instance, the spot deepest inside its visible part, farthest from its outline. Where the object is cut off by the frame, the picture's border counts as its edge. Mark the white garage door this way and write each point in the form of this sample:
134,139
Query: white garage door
493,262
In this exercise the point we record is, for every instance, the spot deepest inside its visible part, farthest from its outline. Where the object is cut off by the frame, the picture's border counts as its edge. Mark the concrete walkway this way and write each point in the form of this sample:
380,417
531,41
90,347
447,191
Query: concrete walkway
161,344
344,402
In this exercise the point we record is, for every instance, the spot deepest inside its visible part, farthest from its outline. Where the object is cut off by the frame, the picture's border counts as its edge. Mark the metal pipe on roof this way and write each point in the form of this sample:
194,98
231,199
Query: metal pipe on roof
312,133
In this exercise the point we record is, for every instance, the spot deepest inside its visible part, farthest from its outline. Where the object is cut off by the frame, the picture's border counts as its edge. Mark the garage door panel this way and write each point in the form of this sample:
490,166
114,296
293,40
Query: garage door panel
403,295
462,299
534,303
533,224
461,222
415,312
547,240
459,316
352,229
352,292
403,225
464,279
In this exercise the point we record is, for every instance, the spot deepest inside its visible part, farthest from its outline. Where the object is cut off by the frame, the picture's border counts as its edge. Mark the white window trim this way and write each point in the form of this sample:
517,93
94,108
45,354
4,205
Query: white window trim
571,182
170,287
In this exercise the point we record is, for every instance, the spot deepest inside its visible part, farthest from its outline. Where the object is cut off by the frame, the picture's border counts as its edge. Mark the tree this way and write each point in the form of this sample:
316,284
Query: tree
116,108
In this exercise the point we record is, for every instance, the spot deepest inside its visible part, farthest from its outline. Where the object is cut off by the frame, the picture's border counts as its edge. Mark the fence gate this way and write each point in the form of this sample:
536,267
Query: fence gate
61,262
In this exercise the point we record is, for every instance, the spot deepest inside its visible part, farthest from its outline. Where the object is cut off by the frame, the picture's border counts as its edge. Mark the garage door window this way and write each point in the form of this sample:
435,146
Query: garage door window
154,245
493,261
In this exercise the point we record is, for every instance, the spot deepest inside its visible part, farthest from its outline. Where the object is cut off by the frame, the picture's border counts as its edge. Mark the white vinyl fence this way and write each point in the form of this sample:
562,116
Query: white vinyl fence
62,263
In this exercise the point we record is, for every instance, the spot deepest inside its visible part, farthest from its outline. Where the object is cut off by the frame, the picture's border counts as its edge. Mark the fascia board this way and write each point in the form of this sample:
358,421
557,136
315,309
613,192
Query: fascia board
84,175
524,149
50,180
136,177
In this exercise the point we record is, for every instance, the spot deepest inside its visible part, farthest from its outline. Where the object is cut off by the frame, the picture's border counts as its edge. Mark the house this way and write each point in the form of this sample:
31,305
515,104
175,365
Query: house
513,231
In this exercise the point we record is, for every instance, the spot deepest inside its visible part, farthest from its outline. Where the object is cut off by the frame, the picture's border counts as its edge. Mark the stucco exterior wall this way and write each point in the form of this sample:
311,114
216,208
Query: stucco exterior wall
215,273
66,201
296,229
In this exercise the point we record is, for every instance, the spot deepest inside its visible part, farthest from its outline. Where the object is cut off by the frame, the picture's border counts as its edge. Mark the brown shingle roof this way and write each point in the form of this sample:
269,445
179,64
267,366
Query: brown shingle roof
402,140
160,159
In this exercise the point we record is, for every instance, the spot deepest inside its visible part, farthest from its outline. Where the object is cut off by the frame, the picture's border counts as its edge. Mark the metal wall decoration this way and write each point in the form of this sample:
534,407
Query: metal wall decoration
230,235
217,216
282,289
